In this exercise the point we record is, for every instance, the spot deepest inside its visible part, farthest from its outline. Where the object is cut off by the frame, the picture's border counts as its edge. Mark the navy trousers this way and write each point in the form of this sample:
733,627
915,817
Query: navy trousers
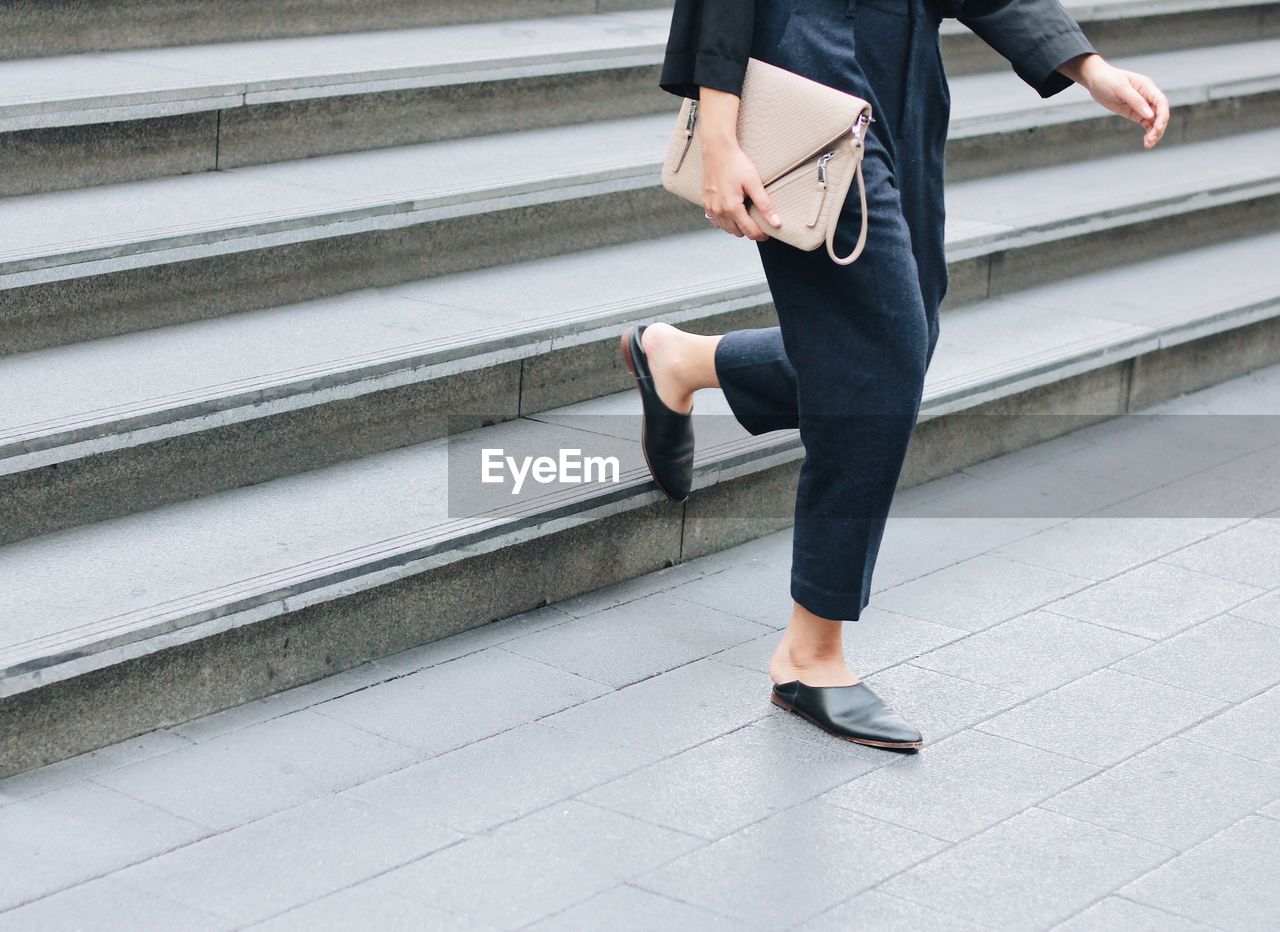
846,366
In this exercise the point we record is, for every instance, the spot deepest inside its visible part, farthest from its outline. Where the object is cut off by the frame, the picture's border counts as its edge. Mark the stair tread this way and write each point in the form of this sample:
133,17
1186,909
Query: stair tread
66,394
293,68
132,84
70,233
73,597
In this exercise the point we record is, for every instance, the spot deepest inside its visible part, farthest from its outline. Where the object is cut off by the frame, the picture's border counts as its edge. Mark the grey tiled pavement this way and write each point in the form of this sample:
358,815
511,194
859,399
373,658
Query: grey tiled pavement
1100,697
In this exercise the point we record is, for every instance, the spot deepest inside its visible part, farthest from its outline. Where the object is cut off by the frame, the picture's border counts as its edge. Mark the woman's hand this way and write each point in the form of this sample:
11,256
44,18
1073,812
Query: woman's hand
1132,95
729,177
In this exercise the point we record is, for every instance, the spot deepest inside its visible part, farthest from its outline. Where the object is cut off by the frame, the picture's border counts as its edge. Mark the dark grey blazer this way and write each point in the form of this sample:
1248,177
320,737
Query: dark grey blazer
710,41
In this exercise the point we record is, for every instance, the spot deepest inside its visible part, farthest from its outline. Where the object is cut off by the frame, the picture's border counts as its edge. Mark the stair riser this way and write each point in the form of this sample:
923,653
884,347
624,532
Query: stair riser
179,683
65,312
152,473
29,28
965,53
61,158
56,159
40,160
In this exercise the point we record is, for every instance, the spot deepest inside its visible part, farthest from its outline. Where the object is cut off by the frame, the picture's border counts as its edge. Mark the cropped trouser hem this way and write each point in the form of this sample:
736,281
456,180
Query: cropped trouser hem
828,603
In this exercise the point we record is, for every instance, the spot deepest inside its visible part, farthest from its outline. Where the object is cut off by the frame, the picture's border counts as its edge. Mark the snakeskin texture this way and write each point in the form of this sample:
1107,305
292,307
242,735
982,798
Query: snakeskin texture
785,123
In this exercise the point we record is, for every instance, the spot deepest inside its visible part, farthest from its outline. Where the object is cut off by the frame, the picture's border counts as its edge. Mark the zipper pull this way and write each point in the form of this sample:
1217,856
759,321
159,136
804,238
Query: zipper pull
822,186
860,127
688,134
822,167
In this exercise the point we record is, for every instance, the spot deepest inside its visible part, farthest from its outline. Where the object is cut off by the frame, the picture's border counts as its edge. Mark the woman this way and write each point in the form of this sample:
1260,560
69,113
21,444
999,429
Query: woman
846,366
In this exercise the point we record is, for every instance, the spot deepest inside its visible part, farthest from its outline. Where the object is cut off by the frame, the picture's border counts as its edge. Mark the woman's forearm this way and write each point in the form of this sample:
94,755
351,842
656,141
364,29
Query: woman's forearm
718,111
1079,67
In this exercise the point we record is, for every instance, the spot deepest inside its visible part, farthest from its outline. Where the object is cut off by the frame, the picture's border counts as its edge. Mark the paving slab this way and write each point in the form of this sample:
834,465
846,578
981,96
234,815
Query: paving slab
367,905
727,783
1177,794
1245,554
628,908
1028,872
254,771
673,711
1264,609
876,910
1225,657
1033,653
1103,717
970,782
499,779
792,865
1249,729
541,864
636,640
980,592
1115,912
463,700
266,867
70,835
1227,881
108,897
1098,547
1155,600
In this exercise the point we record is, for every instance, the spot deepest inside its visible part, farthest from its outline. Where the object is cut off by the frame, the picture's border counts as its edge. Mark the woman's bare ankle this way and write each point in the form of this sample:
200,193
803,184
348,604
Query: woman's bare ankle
811,651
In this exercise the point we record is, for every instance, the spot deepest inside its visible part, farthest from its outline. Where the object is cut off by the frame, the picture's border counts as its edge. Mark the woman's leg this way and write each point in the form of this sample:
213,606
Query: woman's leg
812,649
846,366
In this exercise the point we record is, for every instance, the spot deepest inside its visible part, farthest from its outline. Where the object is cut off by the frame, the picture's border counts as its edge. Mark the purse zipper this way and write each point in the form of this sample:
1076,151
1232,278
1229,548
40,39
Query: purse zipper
859,131
822,184
688,133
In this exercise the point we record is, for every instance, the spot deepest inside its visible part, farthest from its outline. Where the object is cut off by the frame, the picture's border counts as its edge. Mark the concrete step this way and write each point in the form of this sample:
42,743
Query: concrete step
83,264
30,28
84,120
149,619
112,426
155,112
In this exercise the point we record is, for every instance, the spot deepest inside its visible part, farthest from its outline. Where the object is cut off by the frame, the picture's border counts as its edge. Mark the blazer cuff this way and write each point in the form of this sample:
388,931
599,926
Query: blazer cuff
1038,67
685,73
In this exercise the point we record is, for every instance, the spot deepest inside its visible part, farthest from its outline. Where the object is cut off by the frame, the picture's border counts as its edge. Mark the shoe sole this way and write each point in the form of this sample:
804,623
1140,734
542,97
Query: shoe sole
892,745
631,367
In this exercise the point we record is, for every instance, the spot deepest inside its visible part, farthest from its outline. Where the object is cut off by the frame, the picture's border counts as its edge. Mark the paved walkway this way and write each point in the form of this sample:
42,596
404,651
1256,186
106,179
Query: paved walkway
1100,698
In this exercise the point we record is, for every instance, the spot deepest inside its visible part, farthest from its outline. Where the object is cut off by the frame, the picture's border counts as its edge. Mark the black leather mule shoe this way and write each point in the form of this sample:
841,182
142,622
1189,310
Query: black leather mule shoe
666,436
854,713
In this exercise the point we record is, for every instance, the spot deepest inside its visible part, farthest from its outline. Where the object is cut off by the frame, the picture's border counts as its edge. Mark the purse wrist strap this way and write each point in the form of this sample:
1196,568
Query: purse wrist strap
862,237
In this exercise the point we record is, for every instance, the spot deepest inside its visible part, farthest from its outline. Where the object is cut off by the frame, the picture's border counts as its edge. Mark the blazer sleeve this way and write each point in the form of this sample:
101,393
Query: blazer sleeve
1035,36
709,44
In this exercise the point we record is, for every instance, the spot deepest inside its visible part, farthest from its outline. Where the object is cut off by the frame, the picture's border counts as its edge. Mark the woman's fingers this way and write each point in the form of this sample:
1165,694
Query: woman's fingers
1128,94
725,222
746,224
764,203
1159,103
1136,97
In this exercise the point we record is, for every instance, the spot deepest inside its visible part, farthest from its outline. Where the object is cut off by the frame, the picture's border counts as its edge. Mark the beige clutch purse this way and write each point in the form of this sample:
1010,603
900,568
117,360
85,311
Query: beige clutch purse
805,139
